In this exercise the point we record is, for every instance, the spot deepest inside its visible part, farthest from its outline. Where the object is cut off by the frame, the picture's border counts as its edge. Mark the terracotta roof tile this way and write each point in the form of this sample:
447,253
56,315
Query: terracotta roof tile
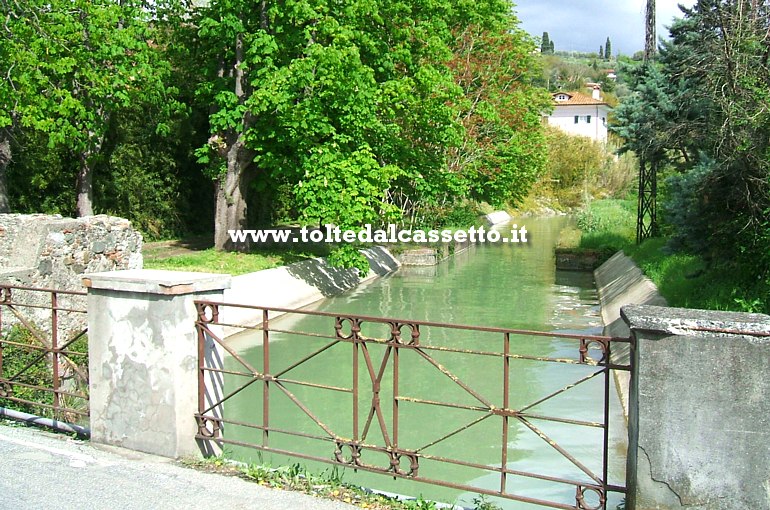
576,99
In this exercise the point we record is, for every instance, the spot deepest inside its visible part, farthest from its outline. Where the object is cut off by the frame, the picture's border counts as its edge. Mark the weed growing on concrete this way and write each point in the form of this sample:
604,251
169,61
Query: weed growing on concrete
295,477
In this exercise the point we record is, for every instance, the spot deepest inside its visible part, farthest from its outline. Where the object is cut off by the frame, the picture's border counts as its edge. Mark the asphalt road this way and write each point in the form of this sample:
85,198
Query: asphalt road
40,470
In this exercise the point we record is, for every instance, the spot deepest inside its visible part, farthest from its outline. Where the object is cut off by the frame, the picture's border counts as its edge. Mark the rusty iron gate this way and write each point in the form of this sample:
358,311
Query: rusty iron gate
372,429
43,352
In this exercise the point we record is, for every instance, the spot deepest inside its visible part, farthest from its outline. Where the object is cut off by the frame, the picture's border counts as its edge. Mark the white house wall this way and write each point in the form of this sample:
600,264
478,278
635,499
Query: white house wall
563,117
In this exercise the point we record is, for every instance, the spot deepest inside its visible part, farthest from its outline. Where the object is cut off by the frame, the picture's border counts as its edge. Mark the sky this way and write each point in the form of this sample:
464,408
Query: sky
584,25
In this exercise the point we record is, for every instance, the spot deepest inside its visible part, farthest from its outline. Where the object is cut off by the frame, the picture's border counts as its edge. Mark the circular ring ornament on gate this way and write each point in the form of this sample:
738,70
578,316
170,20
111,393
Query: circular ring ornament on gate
594,493
396,333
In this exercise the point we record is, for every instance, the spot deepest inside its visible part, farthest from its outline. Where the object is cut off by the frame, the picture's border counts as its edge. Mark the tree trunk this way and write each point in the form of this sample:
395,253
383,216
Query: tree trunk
5,158
85,187
232,192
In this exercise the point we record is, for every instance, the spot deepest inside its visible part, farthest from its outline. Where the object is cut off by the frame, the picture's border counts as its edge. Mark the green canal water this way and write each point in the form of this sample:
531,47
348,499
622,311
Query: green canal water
504,285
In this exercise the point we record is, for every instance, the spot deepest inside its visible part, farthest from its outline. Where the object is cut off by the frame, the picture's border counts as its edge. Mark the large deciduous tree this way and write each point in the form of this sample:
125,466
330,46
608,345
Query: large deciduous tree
71,65
355,104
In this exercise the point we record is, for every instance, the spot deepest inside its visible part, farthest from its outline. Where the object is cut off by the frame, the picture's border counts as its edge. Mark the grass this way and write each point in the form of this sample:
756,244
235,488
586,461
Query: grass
197,254
327,485
685,280
213,261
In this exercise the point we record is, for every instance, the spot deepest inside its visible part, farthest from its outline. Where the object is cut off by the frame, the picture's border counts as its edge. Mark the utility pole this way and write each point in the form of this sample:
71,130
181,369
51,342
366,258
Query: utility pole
650,44
646,214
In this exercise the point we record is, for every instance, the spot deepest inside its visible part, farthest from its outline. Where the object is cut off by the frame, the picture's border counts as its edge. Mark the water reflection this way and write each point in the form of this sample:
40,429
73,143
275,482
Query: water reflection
506,285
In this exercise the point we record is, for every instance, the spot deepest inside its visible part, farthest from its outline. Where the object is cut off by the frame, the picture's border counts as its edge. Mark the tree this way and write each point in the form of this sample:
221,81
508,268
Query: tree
503,150
704,108
73,65
607,49
545,44
352,105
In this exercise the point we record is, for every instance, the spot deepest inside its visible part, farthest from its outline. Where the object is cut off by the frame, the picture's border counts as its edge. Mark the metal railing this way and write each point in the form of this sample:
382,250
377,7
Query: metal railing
43,352
374,418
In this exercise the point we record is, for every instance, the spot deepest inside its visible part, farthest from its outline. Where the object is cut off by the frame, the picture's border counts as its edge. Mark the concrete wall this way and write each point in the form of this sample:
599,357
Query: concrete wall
699,430
143,358
432,256
498,217
298,285
620,282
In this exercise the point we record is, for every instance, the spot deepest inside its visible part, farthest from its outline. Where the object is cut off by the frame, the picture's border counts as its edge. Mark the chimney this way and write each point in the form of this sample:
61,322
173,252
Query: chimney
597,93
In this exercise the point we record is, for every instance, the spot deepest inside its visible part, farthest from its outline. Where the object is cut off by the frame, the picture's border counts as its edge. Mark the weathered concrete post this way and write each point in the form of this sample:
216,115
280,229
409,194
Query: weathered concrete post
143,357
699,421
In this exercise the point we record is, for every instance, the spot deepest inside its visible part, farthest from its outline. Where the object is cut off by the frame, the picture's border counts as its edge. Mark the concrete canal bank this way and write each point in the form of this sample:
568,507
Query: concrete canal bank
620,282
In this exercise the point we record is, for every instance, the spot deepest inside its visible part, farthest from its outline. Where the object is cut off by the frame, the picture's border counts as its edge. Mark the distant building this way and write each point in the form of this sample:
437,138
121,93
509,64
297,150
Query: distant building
579,114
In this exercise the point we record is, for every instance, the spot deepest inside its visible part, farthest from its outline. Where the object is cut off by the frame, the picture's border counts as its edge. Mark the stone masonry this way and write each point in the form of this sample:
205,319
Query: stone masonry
49,251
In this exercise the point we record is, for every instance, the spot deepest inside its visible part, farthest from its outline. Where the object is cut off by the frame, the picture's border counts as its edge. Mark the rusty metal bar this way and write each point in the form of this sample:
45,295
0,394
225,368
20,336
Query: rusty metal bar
562,390
45,406
55,354
542,435
382,320
355,389
42,289
265,384
506,405
376,382
46,347
395,396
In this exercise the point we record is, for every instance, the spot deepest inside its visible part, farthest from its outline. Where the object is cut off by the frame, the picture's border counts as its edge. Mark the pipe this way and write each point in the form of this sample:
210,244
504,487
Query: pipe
59,426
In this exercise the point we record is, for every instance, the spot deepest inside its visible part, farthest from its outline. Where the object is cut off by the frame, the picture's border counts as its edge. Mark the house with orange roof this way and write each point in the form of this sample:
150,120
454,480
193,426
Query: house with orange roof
579,114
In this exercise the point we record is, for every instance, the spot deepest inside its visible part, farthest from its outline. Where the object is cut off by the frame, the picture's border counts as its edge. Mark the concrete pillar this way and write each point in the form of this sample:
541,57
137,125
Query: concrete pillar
699,421
143,357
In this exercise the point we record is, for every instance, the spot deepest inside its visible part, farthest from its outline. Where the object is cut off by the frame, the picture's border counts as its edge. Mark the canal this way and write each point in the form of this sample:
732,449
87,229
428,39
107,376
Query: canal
503,285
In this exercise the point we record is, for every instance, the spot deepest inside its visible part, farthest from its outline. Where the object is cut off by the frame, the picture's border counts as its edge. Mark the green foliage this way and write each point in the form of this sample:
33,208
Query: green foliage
546,45
419,504
685,280
607,225
570,71
580,168
365,101
327,484
27,365
482,502
93,97
704,110
342,112
349,256
461,216
35,368
689,281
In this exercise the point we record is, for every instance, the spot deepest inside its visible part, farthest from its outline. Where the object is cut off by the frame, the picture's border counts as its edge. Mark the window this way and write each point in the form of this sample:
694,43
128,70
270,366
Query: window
588,119
577,119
